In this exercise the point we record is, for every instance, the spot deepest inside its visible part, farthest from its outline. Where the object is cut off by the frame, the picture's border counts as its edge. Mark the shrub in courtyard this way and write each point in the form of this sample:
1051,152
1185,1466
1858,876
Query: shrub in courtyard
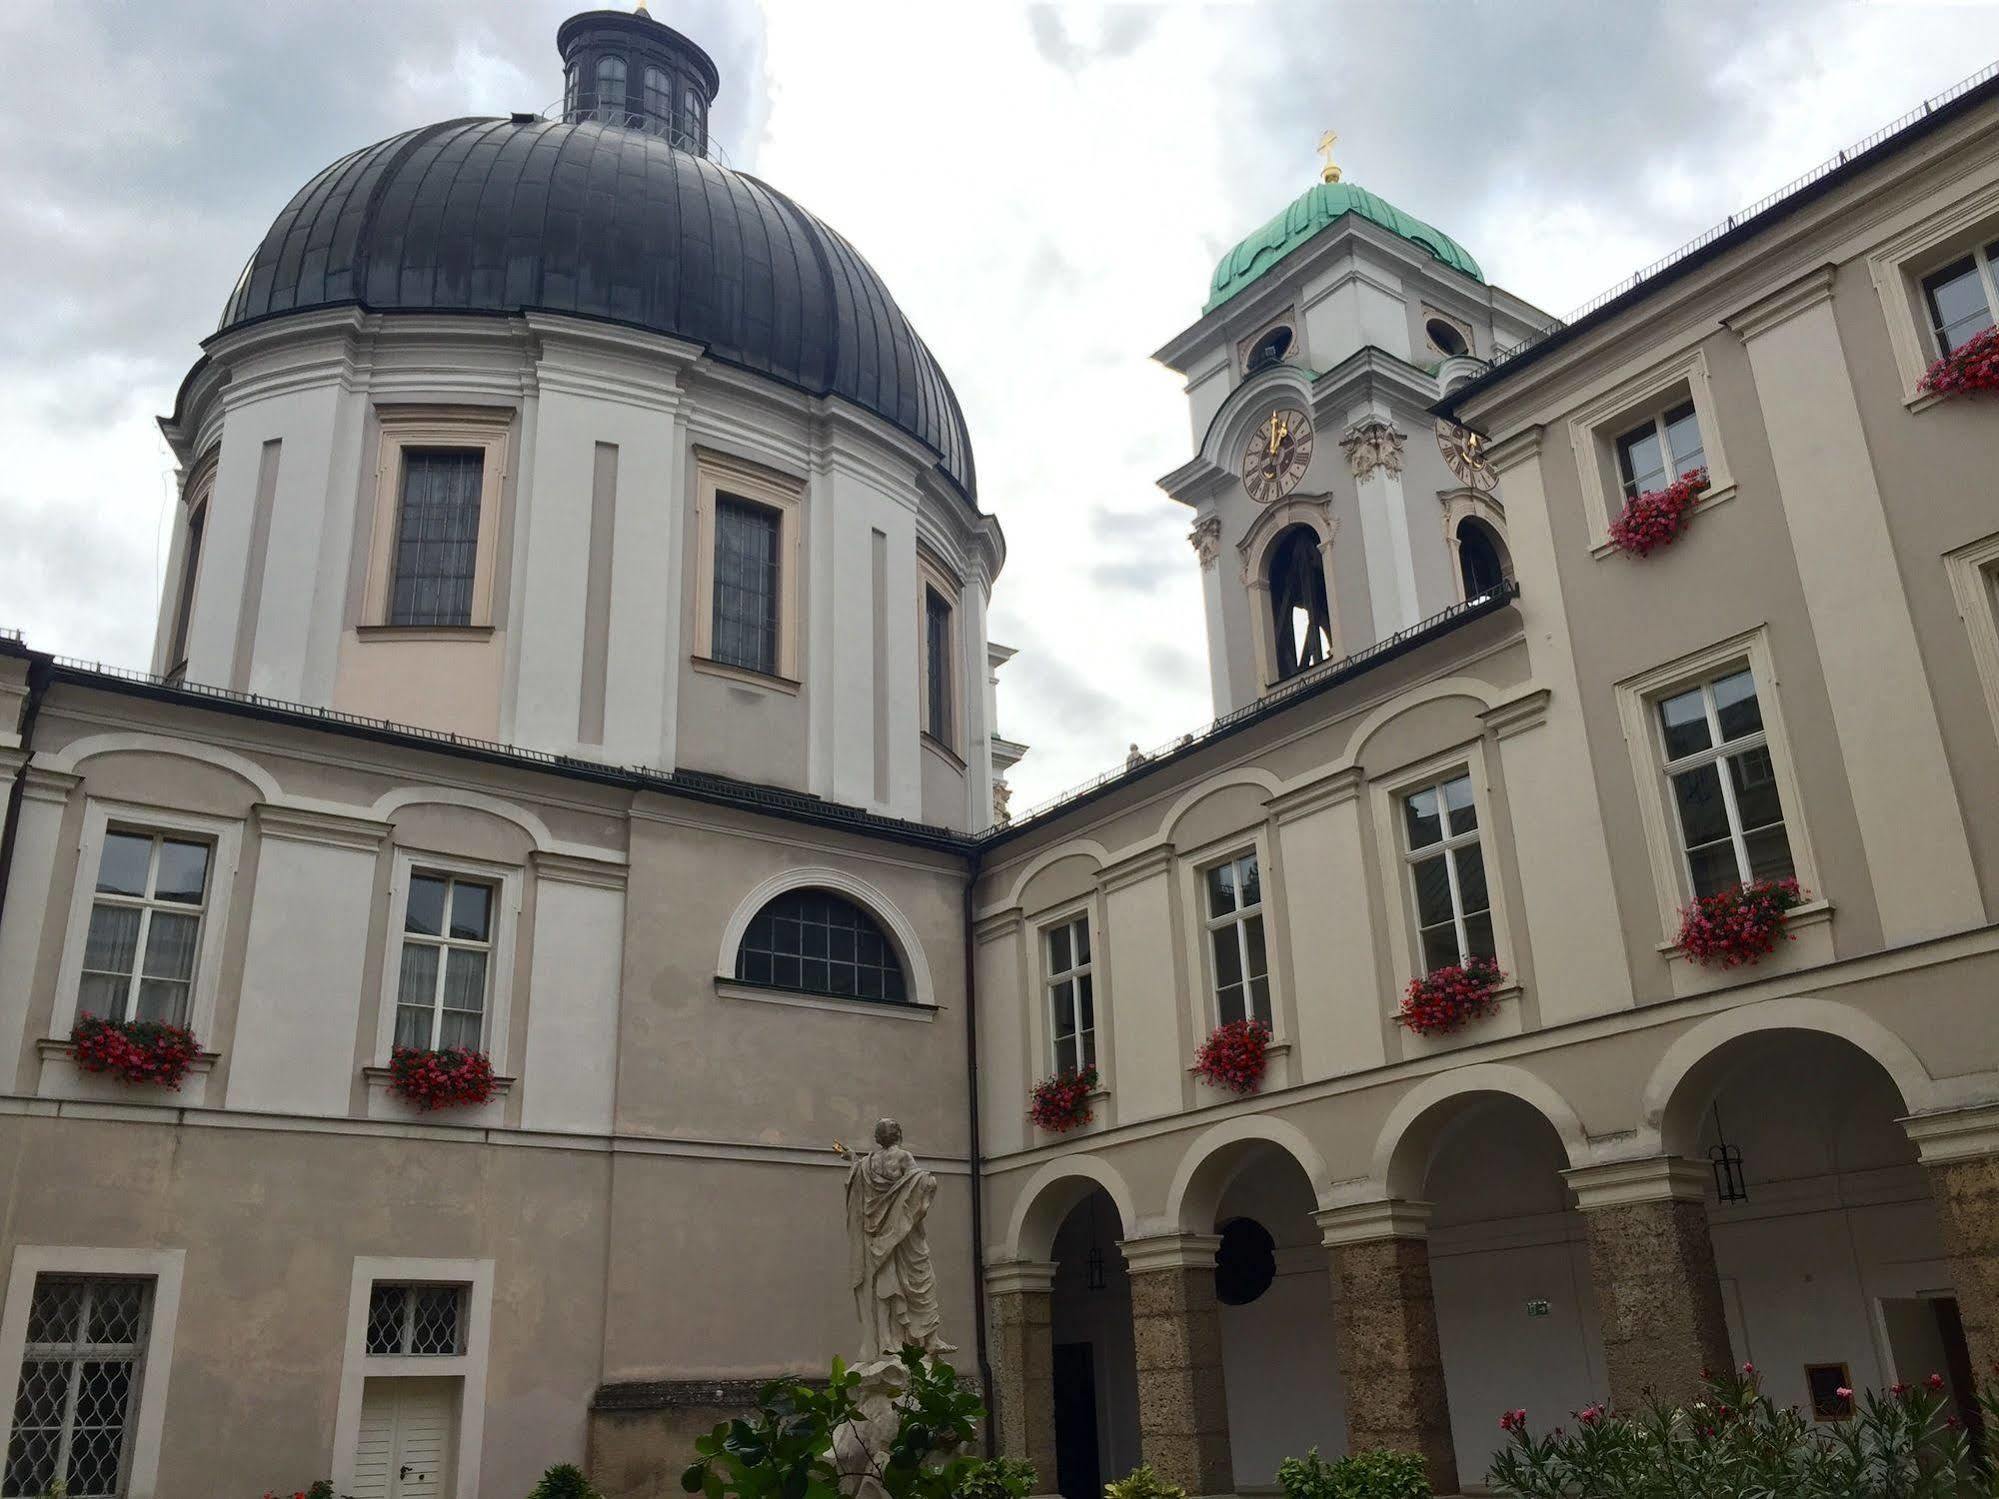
996,1478
564,1481
1142,1483
1061,1103
321,1489
1657,517
136,1051
1362,1475
1234,1056
1738,926
785,1450
1971,367
453,1077
1734,1443
1447,999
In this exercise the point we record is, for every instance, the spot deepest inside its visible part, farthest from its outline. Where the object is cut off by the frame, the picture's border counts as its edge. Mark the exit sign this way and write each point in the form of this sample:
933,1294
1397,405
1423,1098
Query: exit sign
1537,1308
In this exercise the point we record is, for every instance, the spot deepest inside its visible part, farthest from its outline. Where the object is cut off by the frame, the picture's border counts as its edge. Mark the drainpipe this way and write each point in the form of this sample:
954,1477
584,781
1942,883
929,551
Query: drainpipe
40,667
978,1193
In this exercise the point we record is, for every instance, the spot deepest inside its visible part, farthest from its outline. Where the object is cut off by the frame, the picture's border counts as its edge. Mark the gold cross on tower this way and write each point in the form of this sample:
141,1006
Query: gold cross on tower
1331,173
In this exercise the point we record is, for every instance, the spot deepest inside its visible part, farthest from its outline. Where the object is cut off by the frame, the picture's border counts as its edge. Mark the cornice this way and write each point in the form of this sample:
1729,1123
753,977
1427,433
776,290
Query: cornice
1335,790
1955,1135
998,927
1136,868
1020,1277
1365,1222
1659,1178
1170,1252
1780,306
570,869
1515,448
1517,714
333,830
42,785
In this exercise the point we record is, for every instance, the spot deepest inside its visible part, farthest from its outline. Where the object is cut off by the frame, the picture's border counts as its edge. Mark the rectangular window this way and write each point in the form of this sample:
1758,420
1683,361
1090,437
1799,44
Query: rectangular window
1072,1002
1961,298
436,558
145,928
1235,940
190,571
937,665
1662,448
1724,784
447,954
746,585
1447,873
78,1394
416,1321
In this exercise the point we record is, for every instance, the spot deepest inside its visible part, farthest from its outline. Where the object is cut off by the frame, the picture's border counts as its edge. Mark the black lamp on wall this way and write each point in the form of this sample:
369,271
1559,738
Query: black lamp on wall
1729,1182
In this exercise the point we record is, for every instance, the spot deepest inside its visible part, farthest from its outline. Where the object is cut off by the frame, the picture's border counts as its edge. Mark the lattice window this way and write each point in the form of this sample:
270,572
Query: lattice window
416,1321
816,942
78,1396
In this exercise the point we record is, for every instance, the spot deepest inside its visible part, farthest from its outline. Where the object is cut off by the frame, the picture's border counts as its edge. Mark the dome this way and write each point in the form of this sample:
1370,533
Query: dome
602,221
1319,209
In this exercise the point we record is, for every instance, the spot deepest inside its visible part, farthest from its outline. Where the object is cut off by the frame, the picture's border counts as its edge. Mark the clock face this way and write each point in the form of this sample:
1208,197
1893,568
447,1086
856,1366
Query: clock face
1276,455
1464,452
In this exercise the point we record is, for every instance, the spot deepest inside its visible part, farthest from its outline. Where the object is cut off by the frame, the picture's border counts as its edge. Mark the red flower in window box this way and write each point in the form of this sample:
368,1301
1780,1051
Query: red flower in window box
1235,1055
137,1051
1446,999
451,1077
1739,925
1657,517
1971,367
1062,1102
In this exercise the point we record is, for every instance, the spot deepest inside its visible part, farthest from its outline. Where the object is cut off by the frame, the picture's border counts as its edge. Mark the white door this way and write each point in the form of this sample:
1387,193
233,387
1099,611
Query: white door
405,1439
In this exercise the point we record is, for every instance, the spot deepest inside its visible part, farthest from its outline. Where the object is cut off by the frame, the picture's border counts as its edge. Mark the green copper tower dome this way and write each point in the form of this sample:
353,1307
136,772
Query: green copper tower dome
1320,208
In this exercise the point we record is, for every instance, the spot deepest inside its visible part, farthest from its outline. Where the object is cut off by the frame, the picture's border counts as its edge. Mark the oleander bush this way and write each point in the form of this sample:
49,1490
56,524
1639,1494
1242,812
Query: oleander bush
1361,1475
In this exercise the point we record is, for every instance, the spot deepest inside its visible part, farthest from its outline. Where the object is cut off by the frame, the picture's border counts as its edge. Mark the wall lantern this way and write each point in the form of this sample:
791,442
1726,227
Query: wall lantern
1729,1183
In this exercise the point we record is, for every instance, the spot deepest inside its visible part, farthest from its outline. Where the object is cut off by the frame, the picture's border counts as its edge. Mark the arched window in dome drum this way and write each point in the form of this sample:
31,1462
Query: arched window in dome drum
610,87
658,101
815,942
1301,621
693,128
572,85
1482,561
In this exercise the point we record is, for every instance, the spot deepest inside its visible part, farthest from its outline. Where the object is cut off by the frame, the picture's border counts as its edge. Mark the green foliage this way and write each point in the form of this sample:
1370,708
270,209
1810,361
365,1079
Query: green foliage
785,1450
996,1478
1364,1475
564,1481
1734,1443
1142,1483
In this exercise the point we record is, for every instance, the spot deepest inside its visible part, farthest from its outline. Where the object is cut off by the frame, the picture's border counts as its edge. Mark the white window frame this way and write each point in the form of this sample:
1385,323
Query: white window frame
1208,925
161,1266
446,944
463,1293
1397,866
1051,977
1595,428
932,578
508,882
225,838
1637,703
1445,847
1652,419
150,905
1974,583
486,429
1898,266
358,1366
1988,282
718,474
1717,751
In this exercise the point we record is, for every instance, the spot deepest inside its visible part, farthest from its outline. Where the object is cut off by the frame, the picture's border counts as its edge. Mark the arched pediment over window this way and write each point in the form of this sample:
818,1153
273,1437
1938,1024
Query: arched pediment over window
818,941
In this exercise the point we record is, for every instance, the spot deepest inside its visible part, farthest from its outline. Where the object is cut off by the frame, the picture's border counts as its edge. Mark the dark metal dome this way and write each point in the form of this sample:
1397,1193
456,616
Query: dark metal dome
595,220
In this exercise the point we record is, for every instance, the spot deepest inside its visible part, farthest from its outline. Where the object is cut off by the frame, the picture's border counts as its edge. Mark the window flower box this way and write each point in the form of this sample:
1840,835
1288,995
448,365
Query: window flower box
1235,1056
135,1051
1739,925
1972,367
445,1078
1657,517
1061,1103
1449,998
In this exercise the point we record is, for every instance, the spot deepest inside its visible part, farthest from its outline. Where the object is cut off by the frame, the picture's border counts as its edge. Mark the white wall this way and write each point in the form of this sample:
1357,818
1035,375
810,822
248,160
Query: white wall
569,1074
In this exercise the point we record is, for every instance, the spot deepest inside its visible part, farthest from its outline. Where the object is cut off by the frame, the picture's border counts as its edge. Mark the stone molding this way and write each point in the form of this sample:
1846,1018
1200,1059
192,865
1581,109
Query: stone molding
1206,539
1780,306
1337,789
1659,1178
569,869
1373,444
1966,1134
1020,1277
1170,1252
998,927
301,825
1157,860
1362,1222
1516,449
1517,715
40,785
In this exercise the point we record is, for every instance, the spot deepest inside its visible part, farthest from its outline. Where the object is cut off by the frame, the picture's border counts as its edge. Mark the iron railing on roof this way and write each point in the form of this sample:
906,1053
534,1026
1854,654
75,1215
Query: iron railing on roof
1742,216
1313,679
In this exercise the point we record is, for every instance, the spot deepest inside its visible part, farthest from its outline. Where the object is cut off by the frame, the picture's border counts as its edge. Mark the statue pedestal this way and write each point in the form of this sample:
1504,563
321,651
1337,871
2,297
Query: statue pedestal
860,1446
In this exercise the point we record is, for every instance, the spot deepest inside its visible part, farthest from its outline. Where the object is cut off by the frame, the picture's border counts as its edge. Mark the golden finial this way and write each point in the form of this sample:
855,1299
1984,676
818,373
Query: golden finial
640,9
1330,173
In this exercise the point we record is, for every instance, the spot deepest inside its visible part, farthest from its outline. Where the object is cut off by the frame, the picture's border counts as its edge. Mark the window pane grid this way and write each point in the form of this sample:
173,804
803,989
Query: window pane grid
816,942
1453,902
74,1404
145,924
1961,299
437,537
937,663
746,585
1072,995
1725,795
1235,941
1663,448
445,965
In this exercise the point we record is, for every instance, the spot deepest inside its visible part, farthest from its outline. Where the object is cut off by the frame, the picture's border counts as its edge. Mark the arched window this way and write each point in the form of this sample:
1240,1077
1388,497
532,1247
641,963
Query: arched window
658,101
610,87
1302,624
1482,560
816,942
693,120
1270,349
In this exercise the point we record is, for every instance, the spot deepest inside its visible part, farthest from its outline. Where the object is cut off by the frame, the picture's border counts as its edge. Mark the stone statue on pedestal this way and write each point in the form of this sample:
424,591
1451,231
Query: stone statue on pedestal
895,1288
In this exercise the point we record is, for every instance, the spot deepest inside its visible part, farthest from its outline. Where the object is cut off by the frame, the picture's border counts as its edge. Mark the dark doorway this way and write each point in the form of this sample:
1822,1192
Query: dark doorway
1077,1472
1957,1366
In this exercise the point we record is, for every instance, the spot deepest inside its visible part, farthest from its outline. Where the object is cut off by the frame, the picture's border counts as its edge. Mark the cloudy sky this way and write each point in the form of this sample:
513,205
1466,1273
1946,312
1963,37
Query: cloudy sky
1045,187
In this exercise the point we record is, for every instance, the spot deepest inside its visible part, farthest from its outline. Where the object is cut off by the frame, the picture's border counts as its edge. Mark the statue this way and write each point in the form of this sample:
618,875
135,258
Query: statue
895,1289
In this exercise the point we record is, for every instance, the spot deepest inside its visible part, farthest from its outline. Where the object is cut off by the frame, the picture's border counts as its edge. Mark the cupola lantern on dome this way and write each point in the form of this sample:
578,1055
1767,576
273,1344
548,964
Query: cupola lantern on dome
625,68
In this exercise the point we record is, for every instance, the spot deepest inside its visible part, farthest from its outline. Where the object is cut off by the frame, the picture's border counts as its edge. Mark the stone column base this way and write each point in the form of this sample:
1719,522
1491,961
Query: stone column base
1386,1322
1960,1155
1019,1304
1183,1413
